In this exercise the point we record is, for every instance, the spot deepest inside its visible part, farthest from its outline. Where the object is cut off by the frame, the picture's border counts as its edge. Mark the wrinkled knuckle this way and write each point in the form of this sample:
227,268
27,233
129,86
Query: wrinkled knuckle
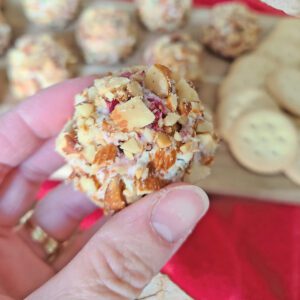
120,269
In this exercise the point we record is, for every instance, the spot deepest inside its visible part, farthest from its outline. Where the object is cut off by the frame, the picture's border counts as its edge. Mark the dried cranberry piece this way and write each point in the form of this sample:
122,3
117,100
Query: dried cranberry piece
112,104
126,74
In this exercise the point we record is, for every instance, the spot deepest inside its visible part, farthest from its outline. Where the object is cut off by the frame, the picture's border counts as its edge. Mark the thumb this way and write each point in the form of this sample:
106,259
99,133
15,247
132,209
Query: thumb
130,248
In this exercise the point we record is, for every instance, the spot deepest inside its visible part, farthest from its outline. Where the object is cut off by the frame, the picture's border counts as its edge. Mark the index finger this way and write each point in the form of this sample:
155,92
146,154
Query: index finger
38,118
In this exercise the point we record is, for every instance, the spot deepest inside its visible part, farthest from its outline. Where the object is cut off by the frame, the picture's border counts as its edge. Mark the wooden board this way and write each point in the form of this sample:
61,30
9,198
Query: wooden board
227,176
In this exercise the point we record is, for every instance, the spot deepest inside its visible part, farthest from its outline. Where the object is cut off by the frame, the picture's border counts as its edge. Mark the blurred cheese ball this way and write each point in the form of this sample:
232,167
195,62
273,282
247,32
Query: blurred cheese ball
133,132
106,34
5,34
36,62
164,15
178,52
233,29
50,13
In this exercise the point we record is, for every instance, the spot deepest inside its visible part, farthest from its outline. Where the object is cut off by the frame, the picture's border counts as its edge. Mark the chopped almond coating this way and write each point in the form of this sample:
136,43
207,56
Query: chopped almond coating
105,155
163,140
132,114
114,198
171,119
163,160
132,146
186,92
158,80
128,138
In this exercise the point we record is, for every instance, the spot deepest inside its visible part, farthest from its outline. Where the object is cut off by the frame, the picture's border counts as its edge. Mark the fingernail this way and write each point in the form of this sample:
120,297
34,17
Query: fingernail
178,211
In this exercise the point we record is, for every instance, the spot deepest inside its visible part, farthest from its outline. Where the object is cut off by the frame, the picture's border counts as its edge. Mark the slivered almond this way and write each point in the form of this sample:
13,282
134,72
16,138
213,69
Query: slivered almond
171,119
114,199
89,153
184,107
163,140
84,135
172,102
149,185
164,160
90,185
157,79
84,110
135,89
185,91
132,146
132,114
204,127
177,137
106,155
188,147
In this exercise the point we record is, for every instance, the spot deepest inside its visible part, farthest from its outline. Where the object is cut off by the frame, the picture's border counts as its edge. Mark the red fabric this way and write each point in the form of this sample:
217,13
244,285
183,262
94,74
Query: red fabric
242,250
254,4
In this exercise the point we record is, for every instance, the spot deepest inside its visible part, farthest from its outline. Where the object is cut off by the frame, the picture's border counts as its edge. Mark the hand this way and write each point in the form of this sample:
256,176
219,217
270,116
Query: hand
120,255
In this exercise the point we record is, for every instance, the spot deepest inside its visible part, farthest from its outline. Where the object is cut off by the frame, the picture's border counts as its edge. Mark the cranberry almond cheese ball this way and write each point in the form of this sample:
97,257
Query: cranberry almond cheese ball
106,34
50,13
164,15
36,62
178,52
5,34
233,30
134,132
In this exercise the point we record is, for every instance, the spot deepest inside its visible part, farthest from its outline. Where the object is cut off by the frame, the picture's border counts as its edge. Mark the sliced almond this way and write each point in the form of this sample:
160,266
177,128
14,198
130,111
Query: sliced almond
208,142
184,107
89,153
204,126
84,136
106,84
134,88
149,185
114,199
163,140
132,114
197,106
163,160
88,184
84,110
185,91
131,146
188,147
157,80
171,119
172,102
148,135
177,137
106,155
129,155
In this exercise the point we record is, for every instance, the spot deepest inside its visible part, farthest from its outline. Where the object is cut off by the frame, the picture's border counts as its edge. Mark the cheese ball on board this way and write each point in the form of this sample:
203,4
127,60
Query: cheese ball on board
106,34
233,29
132,133
163,15
50,13
178,52
37,62
5,34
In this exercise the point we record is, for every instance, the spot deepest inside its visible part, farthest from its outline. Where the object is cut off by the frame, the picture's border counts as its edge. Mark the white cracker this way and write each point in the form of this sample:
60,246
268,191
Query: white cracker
284,85
239,103
264,141
249,71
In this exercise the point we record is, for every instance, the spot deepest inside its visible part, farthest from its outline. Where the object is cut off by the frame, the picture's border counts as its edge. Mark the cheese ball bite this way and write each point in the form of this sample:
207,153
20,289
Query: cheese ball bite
106,34
37,62
178,52
163,15
5,34
132,133
233,29
50,13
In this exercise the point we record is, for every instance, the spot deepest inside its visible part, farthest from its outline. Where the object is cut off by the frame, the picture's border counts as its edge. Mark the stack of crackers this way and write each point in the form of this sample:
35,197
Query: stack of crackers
259,109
